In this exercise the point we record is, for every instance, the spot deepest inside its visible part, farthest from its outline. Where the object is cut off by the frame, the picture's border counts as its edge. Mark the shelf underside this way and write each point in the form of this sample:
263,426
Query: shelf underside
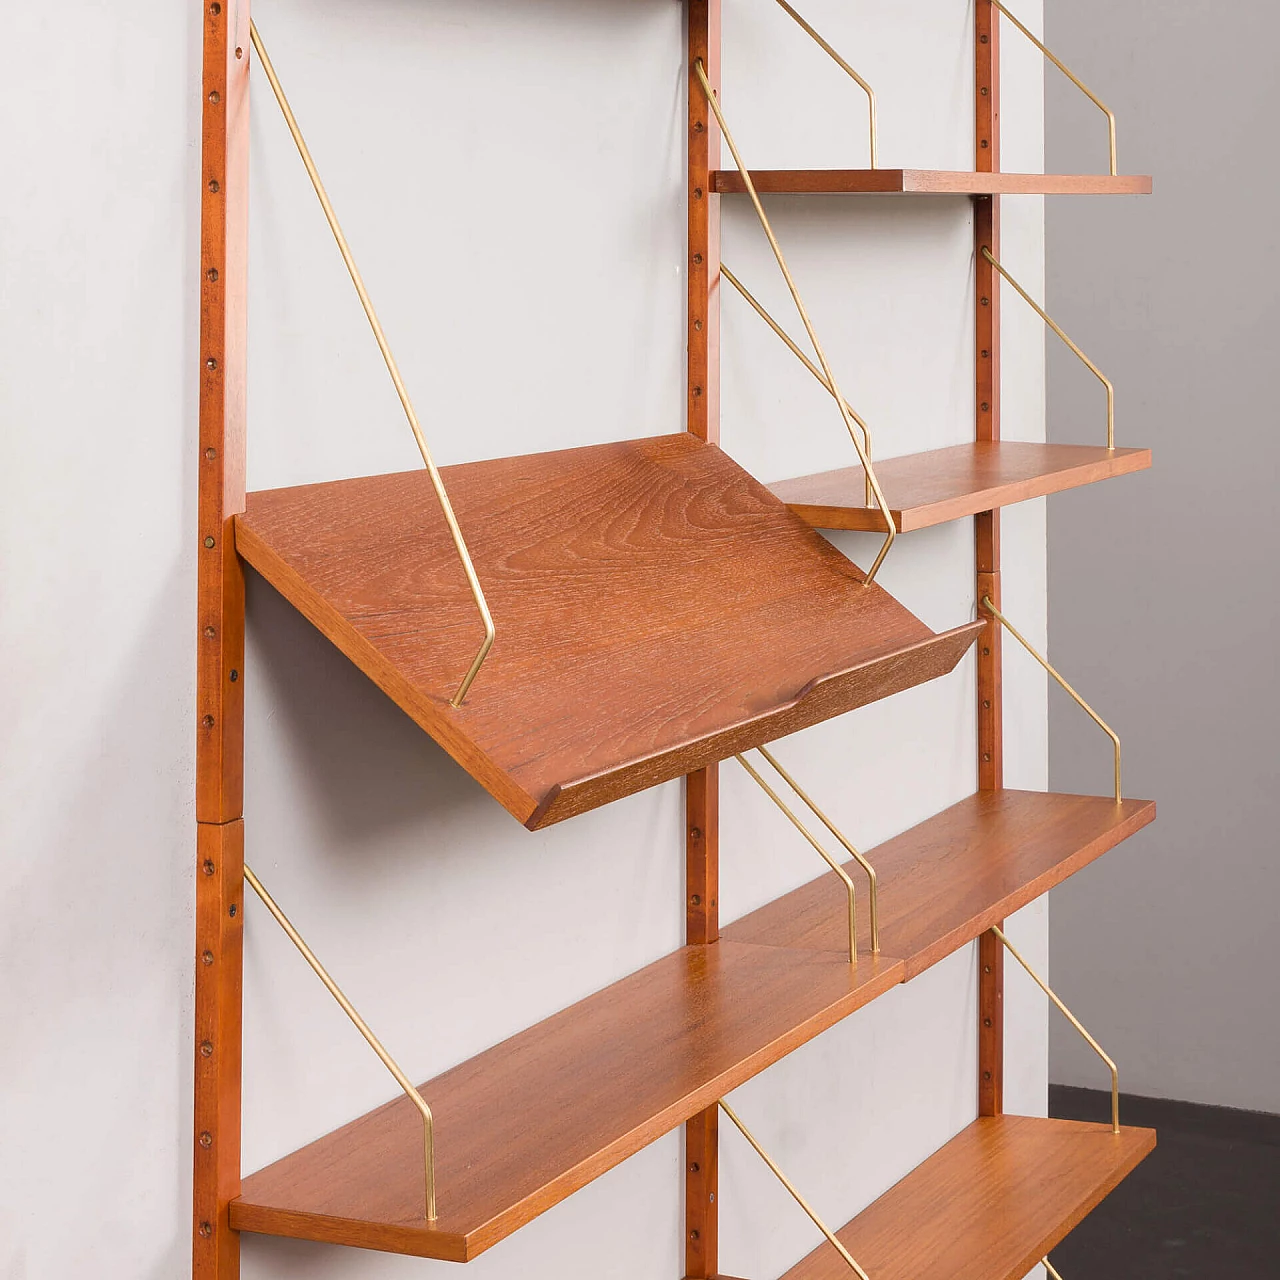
946,881
987,1206
527,1123
656,608
929,182
924,489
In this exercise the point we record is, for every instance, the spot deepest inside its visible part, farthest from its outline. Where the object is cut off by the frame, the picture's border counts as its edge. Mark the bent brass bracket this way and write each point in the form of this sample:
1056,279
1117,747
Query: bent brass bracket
794,348
1075,1022
1093,368
829,379
822,852
428,1123
442,496
844,66
1044,662
795,1195
1075,80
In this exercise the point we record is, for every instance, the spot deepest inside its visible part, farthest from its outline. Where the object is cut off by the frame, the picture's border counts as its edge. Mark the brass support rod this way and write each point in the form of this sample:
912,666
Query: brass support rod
1051,1269
428,1124
758,308
832,386
1075,80
1093,368
442,496
795,1195
1075,1022
845,67
839,835
1044,662
822,853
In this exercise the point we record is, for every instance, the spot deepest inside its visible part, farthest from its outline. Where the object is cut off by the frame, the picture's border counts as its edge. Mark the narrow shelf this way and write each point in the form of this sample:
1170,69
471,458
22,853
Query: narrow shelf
948,880
925,489
987,1206
930,182
527,1123
657,609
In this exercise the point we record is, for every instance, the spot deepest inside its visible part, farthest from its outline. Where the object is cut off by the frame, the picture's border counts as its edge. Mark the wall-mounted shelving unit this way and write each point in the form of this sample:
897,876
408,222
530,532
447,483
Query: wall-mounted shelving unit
655,611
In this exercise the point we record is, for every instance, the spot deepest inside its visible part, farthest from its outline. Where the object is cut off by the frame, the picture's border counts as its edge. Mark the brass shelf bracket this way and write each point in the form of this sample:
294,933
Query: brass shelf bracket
1075,1022
428,1123
1044,662
820,850
1075,80
1093,368
442,496
846,68
795,1195
1051,1269
759,309
829,380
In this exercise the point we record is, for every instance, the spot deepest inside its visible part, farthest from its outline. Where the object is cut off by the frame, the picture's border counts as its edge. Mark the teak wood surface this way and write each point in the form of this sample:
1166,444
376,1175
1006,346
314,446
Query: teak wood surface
925,489
946,881
988,1206
929,182
527,1123
657,609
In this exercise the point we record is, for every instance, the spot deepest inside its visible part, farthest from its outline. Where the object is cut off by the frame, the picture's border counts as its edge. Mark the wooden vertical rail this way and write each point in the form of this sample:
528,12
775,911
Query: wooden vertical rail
704,226
224,179
702,789
986,228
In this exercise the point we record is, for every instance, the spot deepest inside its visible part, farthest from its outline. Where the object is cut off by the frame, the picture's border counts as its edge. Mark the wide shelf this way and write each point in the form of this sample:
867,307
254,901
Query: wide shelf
987,1206
928,182
657,609
949,879
527,1123
924,489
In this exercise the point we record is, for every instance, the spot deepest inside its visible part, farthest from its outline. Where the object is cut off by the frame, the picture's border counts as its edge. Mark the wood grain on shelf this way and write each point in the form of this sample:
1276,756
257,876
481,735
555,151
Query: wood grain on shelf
931,488
948,880
987,1206
929,182
525,1124
657,609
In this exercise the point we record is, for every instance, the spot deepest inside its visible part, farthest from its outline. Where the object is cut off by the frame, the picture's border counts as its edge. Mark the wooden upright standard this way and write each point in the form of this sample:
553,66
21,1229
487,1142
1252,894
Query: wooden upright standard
986,232
224,177
702,789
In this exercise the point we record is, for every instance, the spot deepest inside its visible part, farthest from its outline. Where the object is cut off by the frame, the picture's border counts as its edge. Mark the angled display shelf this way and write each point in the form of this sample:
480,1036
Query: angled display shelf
945,882
656,608
931,488
989,1205
929,182
525,1124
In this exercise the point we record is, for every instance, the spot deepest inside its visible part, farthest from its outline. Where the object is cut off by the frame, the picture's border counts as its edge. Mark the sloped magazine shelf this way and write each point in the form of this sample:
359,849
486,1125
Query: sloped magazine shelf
657,609
930,488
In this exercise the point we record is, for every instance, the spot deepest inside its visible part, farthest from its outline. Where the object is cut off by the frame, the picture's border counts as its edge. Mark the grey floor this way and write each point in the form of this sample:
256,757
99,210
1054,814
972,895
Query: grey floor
1204,1204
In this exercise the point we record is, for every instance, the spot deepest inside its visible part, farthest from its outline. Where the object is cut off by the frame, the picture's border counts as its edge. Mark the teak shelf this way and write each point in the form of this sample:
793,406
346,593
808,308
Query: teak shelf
989,1205
931,488
935,182
656,611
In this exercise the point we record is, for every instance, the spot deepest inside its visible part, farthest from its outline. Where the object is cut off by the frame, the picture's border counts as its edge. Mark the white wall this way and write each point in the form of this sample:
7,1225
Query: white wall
1164,585
511,178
